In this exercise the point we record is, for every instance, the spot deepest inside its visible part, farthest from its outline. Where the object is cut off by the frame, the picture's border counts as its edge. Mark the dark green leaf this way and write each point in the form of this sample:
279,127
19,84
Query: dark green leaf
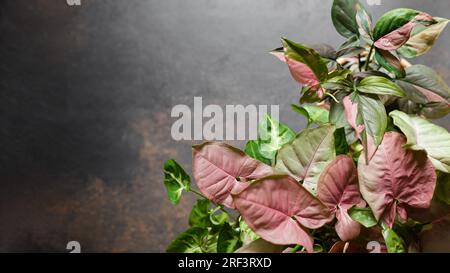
343,15
199,216
176,180
228,240
364,216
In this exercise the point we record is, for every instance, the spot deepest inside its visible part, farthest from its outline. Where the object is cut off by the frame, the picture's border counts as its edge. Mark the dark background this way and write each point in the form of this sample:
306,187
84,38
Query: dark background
85,100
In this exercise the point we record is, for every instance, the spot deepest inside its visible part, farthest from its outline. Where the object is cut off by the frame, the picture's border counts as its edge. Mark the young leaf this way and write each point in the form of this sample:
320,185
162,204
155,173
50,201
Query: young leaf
396,178
423,38
176,180
253,149
343,15
303,61
193,240
228,240
424,135
364,216
338,189
389,62
199,216
380,86
307,155
394,243
272,135
217,167
279,209
313,114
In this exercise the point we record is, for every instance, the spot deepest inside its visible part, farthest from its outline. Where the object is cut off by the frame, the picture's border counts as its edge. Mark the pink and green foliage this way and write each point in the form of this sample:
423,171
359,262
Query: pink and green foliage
371,166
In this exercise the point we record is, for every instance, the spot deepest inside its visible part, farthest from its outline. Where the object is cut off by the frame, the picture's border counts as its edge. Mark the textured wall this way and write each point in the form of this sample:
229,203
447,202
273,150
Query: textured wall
85,100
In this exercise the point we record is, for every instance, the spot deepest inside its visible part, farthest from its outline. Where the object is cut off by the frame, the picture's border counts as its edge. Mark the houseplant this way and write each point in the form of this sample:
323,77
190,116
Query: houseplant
370,171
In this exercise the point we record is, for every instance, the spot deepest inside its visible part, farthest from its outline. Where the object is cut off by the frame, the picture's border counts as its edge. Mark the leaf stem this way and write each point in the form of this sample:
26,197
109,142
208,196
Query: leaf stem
368,57
198,193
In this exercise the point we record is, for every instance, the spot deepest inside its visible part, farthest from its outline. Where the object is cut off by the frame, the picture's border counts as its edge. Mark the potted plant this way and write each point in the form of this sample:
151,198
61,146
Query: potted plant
369,173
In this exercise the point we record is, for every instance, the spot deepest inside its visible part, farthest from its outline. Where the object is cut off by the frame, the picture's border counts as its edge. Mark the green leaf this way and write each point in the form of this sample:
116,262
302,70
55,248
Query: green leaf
340,142
364,216
307,155
252,148
193,240
364,22
228,240
380,86
199,216
176,180
372,114
337,111
343,15
424,135
247,235
442,191
389,62
423,38
393,20
313,114
307,56
272,136
394,243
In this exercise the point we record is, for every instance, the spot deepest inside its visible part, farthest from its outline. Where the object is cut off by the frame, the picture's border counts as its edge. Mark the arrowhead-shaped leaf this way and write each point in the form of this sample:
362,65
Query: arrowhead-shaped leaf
253,149
364,216
396,178
423,38
217,167
193,240
307,155
338,189
389,62
228,240
176,180
424,135
279,210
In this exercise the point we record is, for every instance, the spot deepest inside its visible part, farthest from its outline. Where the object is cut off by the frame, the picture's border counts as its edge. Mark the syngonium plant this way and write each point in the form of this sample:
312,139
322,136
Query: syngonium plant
370,166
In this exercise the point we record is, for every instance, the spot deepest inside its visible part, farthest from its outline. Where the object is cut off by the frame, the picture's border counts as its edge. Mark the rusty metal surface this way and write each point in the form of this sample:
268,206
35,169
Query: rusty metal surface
85,100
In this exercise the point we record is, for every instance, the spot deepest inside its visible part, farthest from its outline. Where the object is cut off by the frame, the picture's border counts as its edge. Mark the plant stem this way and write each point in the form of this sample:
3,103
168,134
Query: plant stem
368,57
197,193
359,62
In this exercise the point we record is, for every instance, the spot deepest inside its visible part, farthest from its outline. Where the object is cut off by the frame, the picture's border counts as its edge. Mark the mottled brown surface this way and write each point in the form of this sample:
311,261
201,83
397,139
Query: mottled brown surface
85,100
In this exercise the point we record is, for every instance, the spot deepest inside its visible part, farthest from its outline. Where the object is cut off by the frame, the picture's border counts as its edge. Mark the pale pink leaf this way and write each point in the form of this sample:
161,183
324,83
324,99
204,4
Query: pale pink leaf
278,209
338,189
396,177
216,167
396,38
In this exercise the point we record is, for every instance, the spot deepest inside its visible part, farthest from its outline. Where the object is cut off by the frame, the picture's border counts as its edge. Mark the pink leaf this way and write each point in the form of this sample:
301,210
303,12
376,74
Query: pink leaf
396,178
278,209
216,167
299,71
396,38
338,189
